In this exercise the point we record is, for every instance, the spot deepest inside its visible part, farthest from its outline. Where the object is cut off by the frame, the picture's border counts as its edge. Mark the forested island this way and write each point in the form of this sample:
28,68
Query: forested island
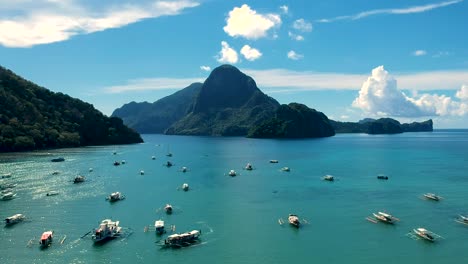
33,118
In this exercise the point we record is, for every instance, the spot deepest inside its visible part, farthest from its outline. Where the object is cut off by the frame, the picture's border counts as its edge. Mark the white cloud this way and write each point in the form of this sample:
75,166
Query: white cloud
419,53
227,54
284,8
462,94
48,21
146,84
295,36
294,56
302,25
245,22
380,96
393,11
441,54
205,68
250,53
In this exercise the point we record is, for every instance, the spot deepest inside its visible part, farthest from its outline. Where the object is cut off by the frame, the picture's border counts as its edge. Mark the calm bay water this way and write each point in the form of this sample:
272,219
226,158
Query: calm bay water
238,216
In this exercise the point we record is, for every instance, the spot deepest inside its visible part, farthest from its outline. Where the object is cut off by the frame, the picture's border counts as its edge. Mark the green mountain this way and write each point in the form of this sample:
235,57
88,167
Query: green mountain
155,118
32,117
228,104
381,126
294,121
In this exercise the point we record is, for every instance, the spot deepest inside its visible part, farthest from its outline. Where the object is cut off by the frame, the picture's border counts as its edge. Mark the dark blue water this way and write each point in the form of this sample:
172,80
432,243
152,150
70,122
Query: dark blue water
239,215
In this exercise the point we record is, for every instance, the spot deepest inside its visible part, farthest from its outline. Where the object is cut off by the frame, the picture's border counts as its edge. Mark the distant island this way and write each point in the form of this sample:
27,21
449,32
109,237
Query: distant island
381,126
33,118
229,103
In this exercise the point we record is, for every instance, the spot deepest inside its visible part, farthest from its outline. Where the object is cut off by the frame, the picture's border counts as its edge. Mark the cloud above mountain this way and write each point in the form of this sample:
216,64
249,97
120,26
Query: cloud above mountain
28,23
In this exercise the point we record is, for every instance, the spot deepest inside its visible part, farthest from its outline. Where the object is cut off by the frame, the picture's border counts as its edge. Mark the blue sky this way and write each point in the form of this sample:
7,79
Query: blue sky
406,59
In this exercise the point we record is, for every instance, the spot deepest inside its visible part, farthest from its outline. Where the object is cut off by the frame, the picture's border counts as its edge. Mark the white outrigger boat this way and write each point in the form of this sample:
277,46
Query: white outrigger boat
115,196
184,239
52,193
185,187
432,196
159,227
46,239
79,179
462,219
8,196
248,167
14,219
328,178
232,173
107,230
142,172
287,169
382,217
422,233
5,176
168,209
294,220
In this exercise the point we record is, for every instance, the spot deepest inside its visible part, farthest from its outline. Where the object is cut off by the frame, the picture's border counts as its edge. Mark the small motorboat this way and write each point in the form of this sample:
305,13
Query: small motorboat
287,169
115,196
274,161
7,196
432,196
232,173
5,176
79,179
328,178
52,193
183,169
55,172
46,239
382,177
116,163
184,239
294,220
90,169
159,227
123,161
168,164
153,157
58,159
168,209
14,219
142,172
248,167
108,229
185,187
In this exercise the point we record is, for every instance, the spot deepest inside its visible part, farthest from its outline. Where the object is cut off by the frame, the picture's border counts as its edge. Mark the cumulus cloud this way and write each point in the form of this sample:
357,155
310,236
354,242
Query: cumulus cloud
227,54
245,22
284,8
419,53
462,94
250,53
205,68
294,56
295,36
391,11
302,25
380,96
48,21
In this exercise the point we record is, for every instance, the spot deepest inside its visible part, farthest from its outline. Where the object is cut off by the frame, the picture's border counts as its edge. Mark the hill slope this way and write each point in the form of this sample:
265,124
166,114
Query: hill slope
32,117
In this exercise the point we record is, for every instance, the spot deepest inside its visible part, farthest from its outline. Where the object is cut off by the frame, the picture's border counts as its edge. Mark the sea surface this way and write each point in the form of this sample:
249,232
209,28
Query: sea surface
239,216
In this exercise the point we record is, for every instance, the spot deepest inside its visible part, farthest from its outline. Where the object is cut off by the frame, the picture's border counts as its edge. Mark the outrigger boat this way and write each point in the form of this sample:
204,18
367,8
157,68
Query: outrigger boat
115,196
383,217
232,173
183,169
116,163
6,175
168,164
14,219
159,227
185,187
422,233
8,196
168,209
107,230
294,220
79,179
52,193
328,178
248,167
153,157
46,239
382,177
142,172
287,169
432,196
184,239
462,219
58,159
274,161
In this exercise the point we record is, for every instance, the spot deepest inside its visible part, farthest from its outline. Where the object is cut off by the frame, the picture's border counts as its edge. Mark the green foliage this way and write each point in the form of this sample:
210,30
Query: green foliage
381,126
32,117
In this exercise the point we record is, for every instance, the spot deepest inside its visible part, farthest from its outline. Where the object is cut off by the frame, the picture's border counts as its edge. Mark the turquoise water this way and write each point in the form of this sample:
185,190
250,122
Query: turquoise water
239,215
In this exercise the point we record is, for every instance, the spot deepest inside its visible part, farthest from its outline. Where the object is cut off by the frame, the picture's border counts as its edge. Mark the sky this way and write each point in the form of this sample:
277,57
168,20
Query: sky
405,59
